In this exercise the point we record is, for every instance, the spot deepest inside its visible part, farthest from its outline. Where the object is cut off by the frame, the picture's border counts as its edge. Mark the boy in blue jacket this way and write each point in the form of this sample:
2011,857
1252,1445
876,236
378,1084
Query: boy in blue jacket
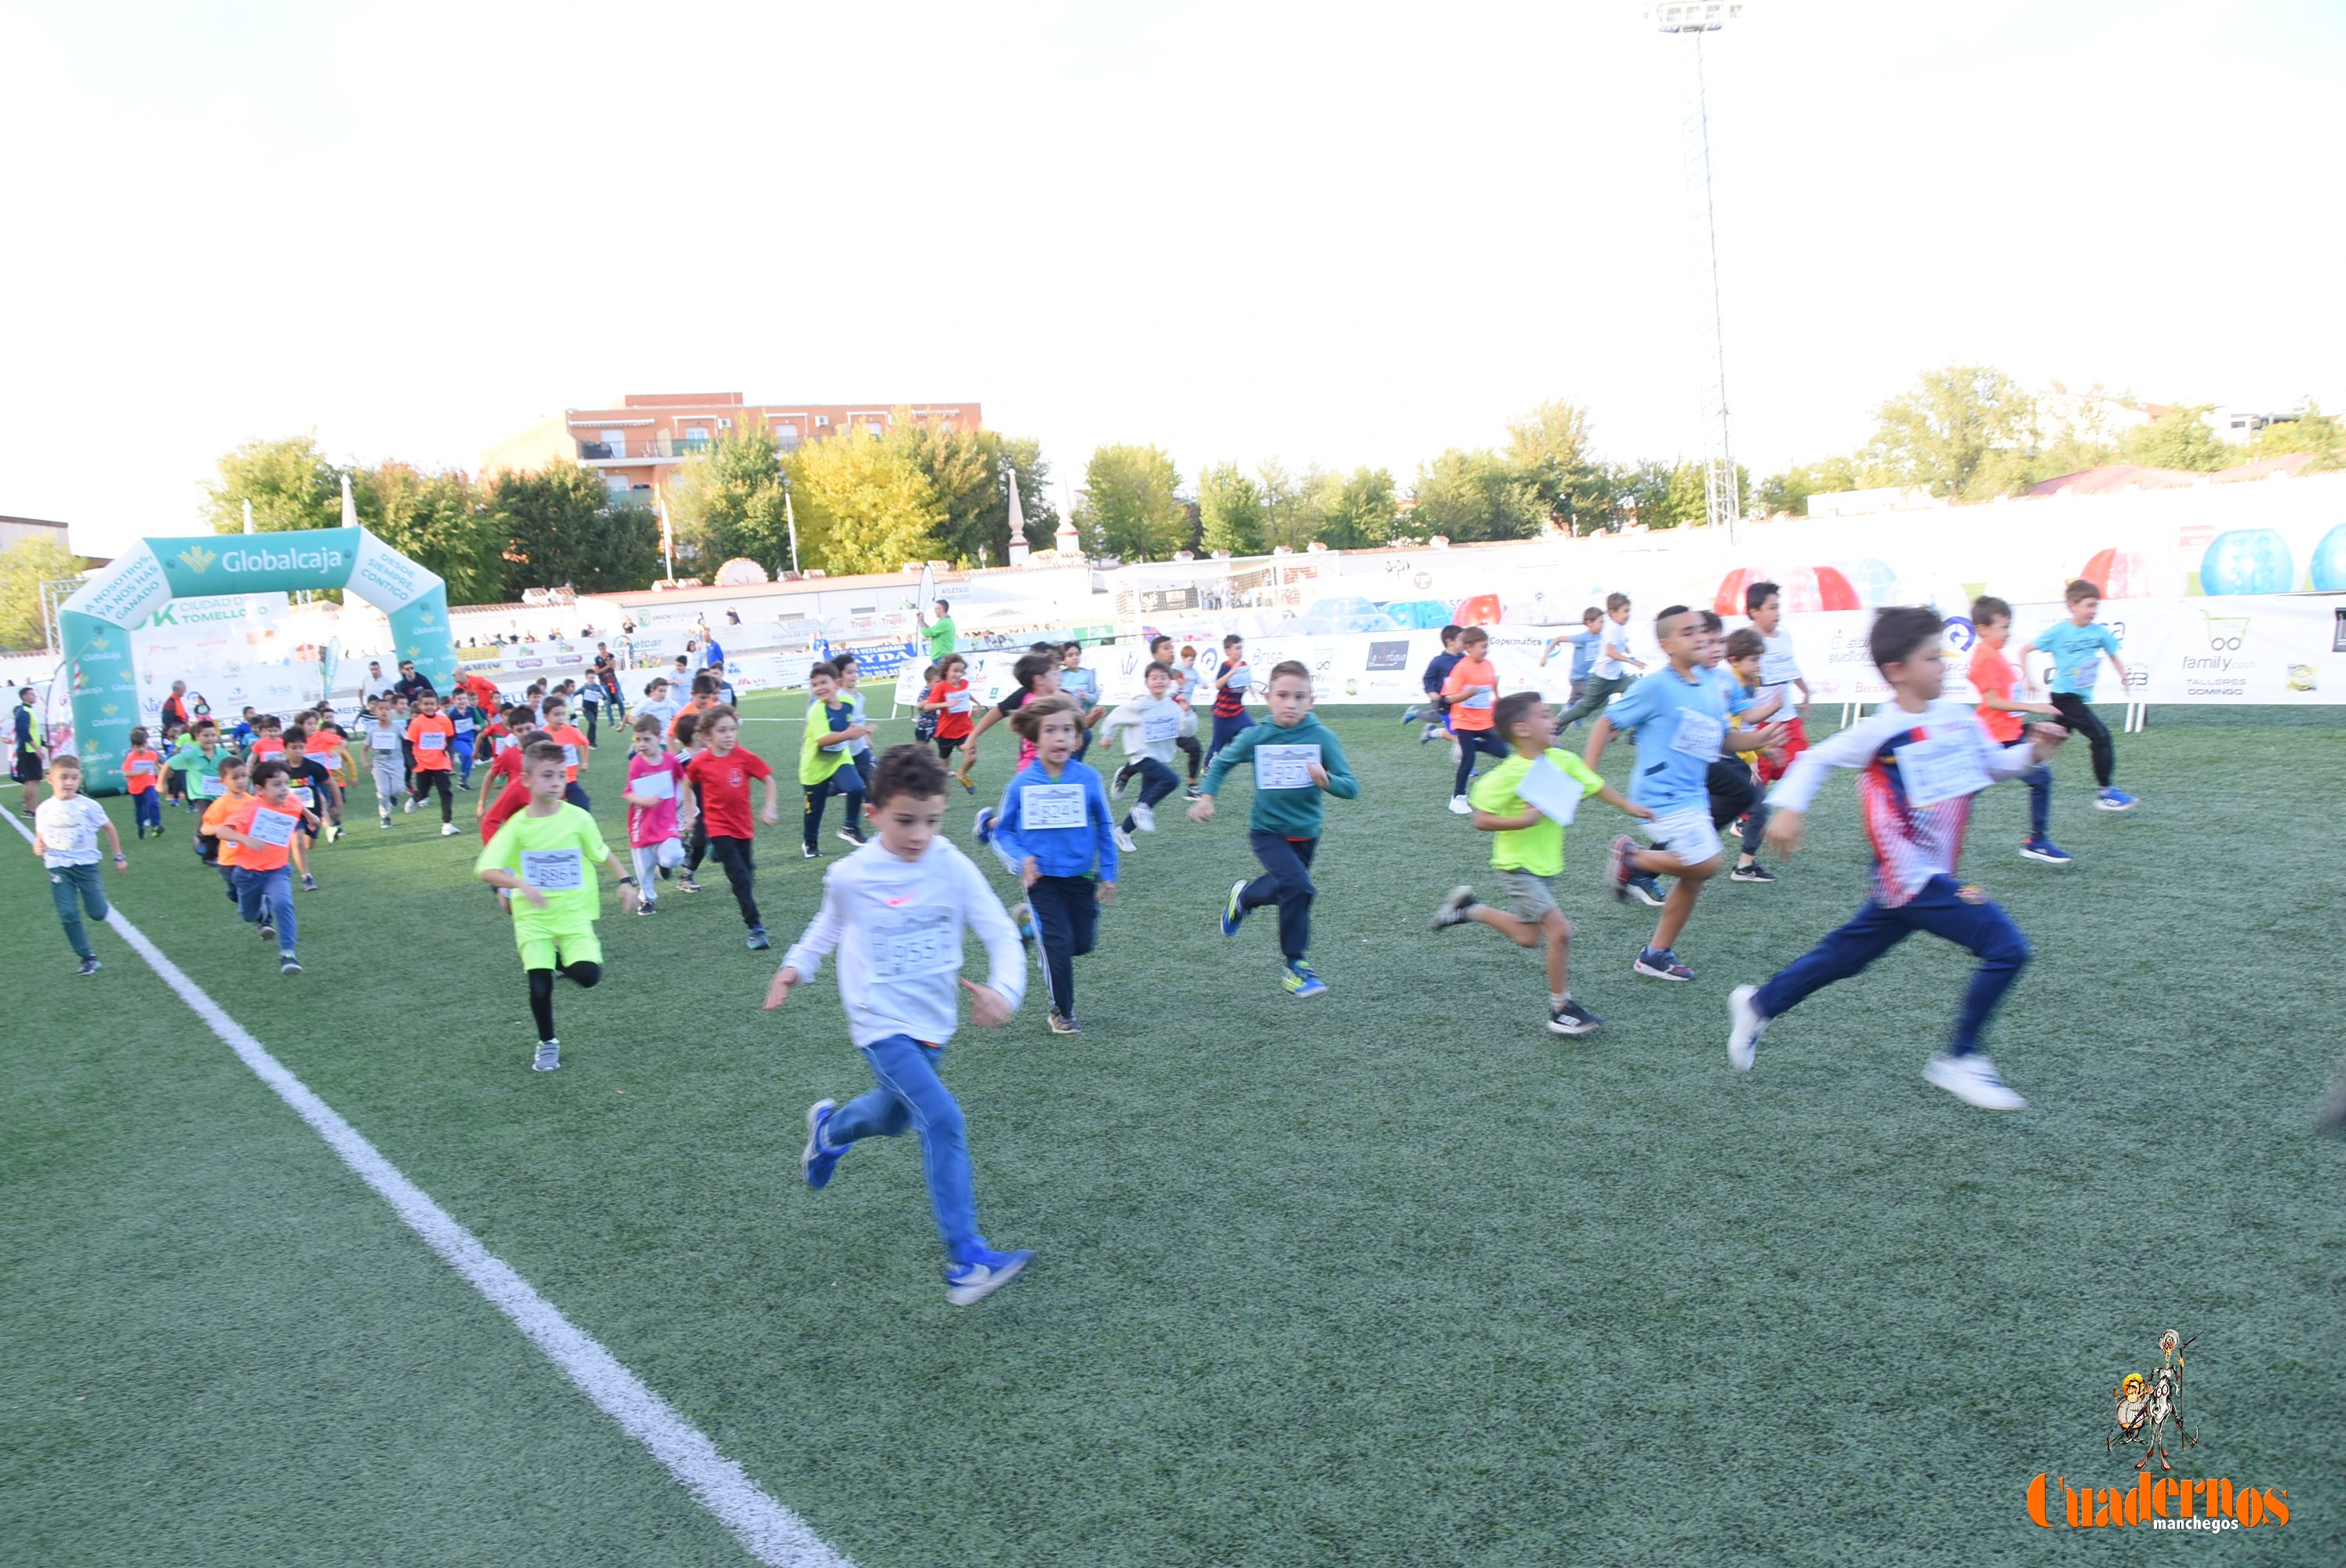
1055,827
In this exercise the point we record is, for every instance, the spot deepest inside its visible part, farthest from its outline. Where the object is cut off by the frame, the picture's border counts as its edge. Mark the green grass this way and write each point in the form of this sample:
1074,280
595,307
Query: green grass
1393,1277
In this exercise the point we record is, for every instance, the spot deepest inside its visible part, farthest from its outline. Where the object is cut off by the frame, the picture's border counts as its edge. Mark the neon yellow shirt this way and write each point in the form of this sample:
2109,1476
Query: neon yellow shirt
1538,849
561,855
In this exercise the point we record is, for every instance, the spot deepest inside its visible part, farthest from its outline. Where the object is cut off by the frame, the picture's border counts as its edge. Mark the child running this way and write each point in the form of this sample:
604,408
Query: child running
1296,761
2076,647
1230,718
1680,715
1152,727
1994,678
433,738
948,702
228,783
895,911
1528,846
310,790
1923,760
824,756
386,746
655,787
1610,672
65,828
1436,708
142,773
540,857
1036,675
1472,691
1054,830
261,831
563,733
720,778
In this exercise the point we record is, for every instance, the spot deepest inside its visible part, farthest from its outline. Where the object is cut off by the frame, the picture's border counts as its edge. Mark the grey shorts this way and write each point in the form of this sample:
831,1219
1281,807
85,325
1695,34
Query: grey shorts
1529,895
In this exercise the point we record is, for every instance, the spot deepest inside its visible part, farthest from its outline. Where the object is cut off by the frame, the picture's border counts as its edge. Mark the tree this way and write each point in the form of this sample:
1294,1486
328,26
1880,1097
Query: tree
863,504
2179,438
965,469
558,527
1286,519
1229,510
727,502
1549,449
2310,431
289,482
1957,433
25,565
1789,492
1472,496
439,521
1363,513
1128,510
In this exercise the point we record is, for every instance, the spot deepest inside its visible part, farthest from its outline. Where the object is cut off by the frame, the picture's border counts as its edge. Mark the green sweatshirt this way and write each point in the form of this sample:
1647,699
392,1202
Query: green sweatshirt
1290,814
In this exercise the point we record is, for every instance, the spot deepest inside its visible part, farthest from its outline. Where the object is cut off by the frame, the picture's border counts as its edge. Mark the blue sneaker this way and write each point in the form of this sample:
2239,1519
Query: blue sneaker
982,1271
1234,912
759,941
1409,715
1301,982
2115,800
1661,963
984,825
819,1156
2038,846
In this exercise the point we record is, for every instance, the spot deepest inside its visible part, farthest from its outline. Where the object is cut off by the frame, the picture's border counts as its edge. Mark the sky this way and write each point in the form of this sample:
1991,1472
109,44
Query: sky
1345,235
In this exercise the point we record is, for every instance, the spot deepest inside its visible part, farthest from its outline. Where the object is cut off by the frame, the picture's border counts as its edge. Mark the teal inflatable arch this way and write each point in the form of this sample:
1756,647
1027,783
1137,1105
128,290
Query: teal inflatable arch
95,624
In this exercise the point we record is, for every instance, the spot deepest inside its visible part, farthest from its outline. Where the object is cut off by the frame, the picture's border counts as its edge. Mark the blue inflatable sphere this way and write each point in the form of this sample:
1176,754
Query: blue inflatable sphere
2247,561
2330,562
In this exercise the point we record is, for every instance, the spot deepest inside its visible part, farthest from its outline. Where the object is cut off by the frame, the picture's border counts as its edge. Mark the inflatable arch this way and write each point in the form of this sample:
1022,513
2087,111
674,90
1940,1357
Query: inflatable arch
95,624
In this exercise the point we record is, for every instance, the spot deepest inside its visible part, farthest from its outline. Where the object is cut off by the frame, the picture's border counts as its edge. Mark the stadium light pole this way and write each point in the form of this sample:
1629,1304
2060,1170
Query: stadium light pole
1722,498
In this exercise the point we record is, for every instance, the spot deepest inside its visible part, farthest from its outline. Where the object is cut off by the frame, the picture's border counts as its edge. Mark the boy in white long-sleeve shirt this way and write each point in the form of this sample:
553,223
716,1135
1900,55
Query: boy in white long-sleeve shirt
894,910
1922,760
1152,727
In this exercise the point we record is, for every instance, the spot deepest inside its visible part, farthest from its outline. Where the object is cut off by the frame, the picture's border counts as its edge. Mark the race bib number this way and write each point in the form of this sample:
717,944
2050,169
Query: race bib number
141,769
915,944
957,702
207,785
383,740
1779,669
1686,834
1699,735
554,871
1240,678
1051,806
656,786
1478,698
302,797
570,756
431,740
1940,768
272,827
506,743
464,726
1284,766
1163,727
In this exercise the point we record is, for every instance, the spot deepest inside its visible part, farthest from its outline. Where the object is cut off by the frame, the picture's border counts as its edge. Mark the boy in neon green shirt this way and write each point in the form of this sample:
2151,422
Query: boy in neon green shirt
1527,847
831,736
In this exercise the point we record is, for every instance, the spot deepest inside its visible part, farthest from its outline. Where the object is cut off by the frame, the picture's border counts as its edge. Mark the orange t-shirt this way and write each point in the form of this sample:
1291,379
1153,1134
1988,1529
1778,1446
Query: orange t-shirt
1466,674
1992,676
265,747
697,706
220,811
259,857
574,750
432,737
140,768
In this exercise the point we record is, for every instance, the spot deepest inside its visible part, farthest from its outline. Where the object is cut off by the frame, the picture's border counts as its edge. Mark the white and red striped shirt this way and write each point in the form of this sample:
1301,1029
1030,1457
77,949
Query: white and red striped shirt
1911,843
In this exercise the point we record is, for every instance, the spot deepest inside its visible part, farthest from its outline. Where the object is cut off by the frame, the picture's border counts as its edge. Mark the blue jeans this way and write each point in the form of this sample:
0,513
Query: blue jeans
463,752
1226,730
1287,883
1066,914
1157,781
270,893
2039,780
911,1094
575,794
846,782
73,889
1940,909
146,810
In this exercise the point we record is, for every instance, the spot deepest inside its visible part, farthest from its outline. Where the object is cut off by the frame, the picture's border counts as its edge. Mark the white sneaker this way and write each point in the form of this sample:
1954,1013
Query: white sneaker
411,803
1145,819
1459,807
1974,1080
1743,1039
447,830
1124,840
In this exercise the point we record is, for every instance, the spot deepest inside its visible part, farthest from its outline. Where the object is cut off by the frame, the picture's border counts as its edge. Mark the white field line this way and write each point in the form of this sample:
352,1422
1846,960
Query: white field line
771,1532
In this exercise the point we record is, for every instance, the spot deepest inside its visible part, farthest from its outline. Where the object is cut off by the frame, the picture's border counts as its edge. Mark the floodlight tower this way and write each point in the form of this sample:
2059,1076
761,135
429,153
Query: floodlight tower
1691,19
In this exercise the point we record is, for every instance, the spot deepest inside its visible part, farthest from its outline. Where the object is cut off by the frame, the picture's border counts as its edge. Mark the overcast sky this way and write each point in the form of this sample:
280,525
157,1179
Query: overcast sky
1349,234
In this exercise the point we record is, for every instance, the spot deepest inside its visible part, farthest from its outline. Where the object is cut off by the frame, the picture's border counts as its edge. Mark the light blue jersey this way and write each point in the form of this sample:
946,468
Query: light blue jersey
2076,652
1681,724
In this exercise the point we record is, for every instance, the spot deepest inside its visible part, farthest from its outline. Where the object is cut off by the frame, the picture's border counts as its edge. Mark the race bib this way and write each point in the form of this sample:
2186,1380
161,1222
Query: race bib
383,740
1940,768
1699,735
1284,766
1051,806
272,827
1478,698
1779,669
916,943
208,786
141,769
1240,678
570,756
655,785
554,871
1550,790
303,798
431,740
957,702
1686,834
506,743
1161,727
464,726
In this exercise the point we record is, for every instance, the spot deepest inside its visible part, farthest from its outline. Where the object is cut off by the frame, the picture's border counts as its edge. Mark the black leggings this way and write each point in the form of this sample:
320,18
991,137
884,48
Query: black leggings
698,851
1472,743
428,780
741,872
2081,720
541,992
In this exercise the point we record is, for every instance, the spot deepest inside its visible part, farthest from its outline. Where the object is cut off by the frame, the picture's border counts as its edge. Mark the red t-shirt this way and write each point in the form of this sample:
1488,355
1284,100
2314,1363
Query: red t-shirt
723,784
505,764
1992,676
952,726
510,799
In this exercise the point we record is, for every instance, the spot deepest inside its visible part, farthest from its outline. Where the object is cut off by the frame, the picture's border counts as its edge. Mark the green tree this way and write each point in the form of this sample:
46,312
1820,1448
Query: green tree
1363,512
2311,431
442,521
1957,431
1789,492
1231,510
1128,509
965,469
557,528
863,505
25,565
1472,496
727,502
2179,438
1549,449
289,482
1287,518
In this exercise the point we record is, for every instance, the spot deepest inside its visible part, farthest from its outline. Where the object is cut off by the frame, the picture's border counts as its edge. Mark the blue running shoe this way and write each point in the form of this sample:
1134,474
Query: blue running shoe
982,1271
1234,912
983,826
819,1156
758,940
1408,716
2038,846
2115,800
1661,963
1301,982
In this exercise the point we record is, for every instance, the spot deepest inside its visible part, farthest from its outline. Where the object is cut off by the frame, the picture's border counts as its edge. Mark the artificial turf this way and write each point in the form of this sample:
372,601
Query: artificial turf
1390,1276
